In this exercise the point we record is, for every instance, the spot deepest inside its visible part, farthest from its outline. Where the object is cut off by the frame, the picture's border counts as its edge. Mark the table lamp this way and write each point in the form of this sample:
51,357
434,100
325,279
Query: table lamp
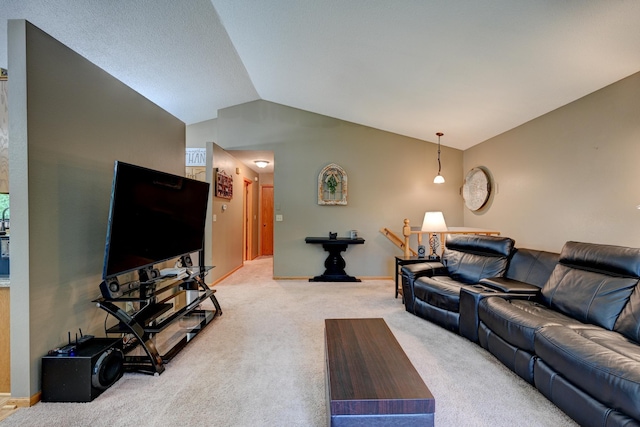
434,223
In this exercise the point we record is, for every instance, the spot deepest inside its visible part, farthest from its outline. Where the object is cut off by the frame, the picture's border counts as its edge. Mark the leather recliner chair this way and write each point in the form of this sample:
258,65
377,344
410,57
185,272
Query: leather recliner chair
431,290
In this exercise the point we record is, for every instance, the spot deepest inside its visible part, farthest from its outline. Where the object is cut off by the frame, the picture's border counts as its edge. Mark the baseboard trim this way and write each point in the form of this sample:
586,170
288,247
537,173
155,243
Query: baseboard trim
226,275
307,278
25,402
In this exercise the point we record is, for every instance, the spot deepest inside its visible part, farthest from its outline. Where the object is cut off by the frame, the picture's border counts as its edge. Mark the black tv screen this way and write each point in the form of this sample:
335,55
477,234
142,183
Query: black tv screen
153,217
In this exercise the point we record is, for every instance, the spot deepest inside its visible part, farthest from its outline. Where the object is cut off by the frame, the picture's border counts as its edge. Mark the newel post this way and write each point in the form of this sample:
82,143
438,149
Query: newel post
406,232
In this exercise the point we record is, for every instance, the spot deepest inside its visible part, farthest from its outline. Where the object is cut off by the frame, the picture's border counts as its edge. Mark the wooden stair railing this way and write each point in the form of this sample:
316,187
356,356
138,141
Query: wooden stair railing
398,241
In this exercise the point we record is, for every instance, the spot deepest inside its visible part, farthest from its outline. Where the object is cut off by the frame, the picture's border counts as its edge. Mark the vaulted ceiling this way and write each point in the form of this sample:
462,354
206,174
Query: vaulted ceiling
471,69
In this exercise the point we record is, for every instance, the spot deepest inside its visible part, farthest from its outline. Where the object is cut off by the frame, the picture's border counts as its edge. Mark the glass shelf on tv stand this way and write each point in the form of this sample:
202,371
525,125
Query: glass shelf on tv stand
160,318
146,291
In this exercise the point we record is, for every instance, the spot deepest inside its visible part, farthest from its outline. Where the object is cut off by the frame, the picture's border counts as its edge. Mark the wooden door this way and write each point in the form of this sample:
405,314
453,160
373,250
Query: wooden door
248,215
5,354
266,213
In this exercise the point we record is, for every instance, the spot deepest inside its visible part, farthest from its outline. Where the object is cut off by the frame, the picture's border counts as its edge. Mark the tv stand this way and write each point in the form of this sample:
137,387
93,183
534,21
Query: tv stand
164,310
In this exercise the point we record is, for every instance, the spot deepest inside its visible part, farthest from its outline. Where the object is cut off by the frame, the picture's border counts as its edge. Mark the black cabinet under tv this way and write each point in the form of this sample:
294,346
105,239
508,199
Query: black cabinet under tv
158,318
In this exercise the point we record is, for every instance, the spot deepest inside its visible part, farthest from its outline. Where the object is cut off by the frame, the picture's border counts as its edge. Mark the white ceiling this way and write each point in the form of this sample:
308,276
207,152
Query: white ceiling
471,69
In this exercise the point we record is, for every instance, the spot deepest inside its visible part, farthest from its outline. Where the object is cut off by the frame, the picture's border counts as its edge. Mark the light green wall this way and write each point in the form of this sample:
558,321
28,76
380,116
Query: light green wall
390,178
68,122
227,217
549,174
572,174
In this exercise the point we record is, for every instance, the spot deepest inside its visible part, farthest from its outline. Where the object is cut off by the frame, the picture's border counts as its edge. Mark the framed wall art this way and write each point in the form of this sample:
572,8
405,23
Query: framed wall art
224,185
332,185
476,188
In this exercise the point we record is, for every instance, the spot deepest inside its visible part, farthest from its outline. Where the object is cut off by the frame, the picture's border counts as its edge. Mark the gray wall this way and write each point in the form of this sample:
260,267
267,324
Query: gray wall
390,178
4,137
68,122
227,229
572,174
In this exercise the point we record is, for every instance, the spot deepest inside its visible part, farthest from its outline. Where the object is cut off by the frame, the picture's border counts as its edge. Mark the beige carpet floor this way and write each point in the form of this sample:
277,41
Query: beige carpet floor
262,364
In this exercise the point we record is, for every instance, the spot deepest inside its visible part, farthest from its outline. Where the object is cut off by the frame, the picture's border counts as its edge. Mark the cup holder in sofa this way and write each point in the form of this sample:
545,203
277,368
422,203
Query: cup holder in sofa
483,288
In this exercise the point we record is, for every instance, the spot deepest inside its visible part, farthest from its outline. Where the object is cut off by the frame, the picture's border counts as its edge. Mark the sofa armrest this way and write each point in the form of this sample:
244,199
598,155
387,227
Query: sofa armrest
504,284
470,297
411,272
428,268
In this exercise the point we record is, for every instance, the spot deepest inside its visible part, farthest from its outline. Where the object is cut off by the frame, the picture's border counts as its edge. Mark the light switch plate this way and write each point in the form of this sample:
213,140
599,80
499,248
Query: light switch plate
278,218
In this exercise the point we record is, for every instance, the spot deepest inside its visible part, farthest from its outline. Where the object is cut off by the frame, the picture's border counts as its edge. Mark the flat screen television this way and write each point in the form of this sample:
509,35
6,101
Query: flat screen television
153,217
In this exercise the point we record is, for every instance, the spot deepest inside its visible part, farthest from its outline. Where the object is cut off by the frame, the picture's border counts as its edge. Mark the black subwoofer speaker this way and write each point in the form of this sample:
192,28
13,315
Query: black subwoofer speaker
82,375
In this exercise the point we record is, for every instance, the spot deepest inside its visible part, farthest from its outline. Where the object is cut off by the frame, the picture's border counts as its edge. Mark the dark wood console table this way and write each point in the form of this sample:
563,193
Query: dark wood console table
370,380
334,264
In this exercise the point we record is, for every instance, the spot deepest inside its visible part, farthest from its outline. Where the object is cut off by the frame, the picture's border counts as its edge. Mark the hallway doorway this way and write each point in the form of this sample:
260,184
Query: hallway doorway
247,232
266,216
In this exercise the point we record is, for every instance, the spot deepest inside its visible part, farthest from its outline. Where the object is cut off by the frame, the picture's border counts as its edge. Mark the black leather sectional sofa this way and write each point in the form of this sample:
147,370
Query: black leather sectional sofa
567,323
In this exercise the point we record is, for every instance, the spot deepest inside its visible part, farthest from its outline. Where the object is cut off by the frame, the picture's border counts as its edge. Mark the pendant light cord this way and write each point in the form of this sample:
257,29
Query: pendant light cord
439,164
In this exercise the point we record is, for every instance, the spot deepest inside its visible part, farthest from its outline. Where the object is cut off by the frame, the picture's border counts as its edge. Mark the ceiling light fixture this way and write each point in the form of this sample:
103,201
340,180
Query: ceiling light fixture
261,163
439,179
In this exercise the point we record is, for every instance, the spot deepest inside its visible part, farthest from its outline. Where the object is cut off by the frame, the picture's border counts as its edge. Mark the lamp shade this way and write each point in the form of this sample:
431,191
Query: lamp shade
434,221
439,179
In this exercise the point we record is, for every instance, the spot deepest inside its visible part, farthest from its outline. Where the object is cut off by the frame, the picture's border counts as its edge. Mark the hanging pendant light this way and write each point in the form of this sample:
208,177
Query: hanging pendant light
439,179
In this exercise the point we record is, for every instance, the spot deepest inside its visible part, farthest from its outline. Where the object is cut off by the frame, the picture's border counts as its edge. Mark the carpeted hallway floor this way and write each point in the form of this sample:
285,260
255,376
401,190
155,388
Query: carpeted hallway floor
262,364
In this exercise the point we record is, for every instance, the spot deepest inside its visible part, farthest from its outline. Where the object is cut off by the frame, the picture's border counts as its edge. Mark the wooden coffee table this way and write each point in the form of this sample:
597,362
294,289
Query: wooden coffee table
370,380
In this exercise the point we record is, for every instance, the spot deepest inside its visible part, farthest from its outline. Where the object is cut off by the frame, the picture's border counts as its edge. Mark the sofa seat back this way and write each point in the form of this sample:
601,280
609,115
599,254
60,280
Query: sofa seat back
469,258
531,266
593,283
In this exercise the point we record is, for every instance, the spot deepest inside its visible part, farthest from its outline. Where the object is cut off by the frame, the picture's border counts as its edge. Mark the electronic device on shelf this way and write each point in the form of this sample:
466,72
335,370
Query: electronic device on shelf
72,346
177,273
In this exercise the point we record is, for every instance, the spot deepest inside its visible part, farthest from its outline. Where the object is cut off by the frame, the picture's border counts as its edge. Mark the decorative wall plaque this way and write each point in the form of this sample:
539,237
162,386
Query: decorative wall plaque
224,185
476,188
332,186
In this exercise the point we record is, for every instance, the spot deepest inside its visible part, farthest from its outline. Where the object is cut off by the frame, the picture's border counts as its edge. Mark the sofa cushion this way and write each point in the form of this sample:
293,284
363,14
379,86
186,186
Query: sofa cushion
428,268
592,283
628,323
587,296
608,259
601,362
469,258
516,321
531,266
504,284
480,244
439,291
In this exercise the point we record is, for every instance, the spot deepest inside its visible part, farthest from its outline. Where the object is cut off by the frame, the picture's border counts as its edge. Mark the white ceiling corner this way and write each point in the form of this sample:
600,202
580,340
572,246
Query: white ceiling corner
472,70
